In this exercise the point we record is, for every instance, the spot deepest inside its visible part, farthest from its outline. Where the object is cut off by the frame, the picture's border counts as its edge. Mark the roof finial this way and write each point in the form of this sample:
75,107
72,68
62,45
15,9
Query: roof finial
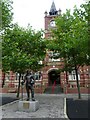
52,1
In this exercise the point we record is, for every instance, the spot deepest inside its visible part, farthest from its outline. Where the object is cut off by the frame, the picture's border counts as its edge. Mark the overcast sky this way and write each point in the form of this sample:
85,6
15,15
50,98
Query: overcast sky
32,11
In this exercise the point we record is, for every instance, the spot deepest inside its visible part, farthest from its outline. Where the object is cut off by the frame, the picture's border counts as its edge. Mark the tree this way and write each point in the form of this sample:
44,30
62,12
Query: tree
22,50
71,38
6,17
6,14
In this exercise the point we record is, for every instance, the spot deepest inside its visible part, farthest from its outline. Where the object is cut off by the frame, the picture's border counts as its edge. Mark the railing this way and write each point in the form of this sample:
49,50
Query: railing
53,87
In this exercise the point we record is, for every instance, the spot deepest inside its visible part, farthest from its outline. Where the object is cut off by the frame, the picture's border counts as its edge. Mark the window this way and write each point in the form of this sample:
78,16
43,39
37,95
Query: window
37,75
53,56
72,75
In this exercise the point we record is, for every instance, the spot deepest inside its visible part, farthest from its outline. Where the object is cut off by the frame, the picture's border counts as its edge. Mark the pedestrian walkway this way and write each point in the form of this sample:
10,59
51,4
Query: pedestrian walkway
50,106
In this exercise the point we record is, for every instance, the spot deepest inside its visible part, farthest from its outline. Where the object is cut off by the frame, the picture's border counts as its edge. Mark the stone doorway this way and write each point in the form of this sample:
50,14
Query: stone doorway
53,75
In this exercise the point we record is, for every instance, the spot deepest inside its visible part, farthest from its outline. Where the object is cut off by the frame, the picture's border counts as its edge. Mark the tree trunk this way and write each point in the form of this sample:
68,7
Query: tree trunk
3,79
18,91
78,86
66,77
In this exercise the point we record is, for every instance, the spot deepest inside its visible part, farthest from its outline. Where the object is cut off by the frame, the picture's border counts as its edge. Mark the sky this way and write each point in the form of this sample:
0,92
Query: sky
32,11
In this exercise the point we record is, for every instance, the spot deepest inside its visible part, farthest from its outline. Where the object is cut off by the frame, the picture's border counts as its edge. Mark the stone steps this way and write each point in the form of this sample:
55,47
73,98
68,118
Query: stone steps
56,90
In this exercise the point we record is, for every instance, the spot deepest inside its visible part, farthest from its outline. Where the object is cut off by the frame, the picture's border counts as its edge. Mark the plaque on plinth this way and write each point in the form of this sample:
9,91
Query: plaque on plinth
28,106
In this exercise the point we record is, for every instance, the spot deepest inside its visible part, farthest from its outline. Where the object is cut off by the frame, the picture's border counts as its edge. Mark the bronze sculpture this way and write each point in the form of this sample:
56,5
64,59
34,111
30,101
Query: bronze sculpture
29,79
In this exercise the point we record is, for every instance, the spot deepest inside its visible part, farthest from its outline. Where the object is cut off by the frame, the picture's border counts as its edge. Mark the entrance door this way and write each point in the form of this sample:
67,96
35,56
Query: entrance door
53,76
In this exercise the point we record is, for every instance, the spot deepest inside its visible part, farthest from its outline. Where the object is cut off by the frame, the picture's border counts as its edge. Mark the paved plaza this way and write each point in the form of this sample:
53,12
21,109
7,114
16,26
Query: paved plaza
50,106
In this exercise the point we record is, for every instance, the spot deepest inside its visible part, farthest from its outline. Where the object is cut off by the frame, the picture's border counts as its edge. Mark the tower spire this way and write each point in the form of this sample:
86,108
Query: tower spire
53,10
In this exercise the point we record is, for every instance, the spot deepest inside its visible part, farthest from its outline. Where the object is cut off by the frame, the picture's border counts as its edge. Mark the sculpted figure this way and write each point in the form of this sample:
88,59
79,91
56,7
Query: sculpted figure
29,79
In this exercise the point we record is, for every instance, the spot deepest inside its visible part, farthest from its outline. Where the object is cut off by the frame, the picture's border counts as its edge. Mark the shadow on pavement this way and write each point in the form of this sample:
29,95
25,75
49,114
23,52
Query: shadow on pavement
78,108
5,100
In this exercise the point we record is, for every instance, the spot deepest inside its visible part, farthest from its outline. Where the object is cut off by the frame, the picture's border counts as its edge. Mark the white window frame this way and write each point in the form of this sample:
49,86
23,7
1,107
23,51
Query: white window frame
72,75
38,75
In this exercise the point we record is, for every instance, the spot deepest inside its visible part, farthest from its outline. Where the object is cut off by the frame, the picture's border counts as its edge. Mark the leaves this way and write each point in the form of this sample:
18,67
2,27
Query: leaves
6,14
22,49
70,37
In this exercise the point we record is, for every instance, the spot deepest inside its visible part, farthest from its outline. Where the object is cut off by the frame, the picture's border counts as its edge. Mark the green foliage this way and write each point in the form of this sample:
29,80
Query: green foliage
70,38
6,14
22,49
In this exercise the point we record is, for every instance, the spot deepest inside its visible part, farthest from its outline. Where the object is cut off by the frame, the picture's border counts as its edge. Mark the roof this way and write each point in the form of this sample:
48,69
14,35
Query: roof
53,10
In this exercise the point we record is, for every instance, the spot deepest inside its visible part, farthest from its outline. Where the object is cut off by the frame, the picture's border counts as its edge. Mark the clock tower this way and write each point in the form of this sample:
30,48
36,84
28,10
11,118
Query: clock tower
50,75
49,19
51,78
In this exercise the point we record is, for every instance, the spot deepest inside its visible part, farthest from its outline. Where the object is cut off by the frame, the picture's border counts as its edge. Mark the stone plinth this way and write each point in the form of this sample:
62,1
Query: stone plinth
30,106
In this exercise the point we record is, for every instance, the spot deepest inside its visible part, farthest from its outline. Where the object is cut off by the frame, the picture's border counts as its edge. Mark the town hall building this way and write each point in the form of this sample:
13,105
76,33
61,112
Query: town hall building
52,81
65,81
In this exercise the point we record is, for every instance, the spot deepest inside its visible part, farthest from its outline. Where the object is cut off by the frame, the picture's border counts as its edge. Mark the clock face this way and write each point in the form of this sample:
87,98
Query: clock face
52,23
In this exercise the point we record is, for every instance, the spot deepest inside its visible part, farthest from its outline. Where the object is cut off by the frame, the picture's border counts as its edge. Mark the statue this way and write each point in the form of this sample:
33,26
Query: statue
29,79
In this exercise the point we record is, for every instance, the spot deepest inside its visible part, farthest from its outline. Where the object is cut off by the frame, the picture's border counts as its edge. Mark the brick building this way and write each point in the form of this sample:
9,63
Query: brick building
50,74
50,79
